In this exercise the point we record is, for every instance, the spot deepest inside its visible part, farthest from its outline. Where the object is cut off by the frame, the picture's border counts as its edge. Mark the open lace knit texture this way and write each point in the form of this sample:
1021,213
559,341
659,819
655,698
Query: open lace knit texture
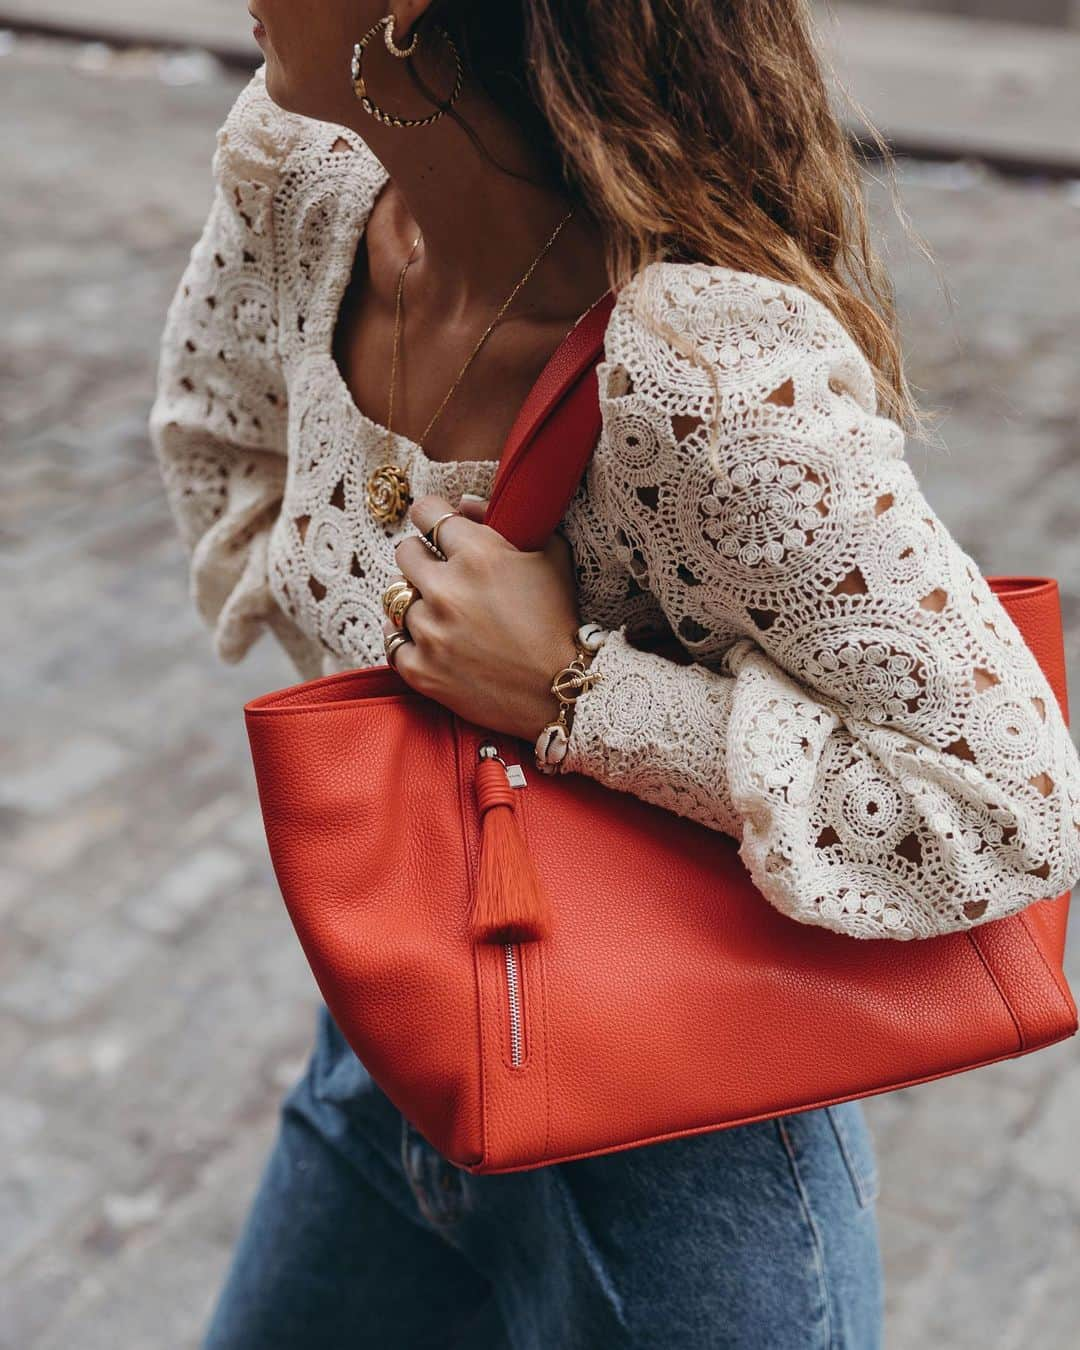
861,712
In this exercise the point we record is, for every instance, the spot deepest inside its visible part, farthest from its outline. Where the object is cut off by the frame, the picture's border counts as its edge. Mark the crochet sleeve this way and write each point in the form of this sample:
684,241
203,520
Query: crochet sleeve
860,712
218,424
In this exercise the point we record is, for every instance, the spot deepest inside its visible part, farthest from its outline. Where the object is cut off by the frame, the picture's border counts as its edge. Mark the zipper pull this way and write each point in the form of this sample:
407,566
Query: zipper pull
514,772
509,904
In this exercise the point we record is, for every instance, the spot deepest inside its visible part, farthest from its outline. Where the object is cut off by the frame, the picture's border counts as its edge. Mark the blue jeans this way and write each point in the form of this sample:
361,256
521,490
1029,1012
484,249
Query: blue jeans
760,1237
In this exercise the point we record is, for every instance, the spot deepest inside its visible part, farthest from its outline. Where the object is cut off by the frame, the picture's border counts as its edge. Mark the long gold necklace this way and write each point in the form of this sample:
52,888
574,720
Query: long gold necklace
388,494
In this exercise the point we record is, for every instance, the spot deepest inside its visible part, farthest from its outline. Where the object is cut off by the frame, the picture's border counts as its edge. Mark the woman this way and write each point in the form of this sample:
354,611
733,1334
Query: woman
412,210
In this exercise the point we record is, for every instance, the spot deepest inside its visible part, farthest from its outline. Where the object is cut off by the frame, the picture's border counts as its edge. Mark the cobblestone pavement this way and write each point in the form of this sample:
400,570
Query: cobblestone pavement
153,1002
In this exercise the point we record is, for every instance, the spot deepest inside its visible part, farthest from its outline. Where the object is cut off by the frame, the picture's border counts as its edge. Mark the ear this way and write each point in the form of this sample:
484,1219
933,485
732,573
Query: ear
407,14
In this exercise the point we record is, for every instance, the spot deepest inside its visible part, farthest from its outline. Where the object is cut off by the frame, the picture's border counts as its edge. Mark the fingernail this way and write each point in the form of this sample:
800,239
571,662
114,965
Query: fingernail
471,497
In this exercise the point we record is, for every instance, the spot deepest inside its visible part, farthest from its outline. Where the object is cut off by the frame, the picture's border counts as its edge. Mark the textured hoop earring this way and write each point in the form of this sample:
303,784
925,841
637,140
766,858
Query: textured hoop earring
386,23
391,45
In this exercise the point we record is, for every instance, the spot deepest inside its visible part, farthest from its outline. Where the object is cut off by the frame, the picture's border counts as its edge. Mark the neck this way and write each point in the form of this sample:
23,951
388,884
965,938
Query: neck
484,199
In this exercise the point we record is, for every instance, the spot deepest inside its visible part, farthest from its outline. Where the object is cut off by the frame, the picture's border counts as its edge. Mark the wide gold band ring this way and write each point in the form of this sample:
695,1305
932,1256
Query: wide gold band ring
399,605
397,598
399,584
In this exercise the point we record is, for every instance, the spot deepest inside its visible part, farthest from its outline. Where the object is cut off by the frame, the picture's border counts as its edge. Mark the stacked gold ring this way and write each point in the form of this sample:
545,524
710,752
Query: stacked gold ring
432,534
396,600
391,643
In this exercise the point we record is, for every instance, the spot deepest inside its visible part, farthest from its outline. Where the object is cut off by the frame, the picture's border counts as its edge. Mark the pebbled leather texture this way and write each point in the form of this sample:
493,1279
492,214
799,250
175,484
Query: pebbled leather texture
671,998
531,490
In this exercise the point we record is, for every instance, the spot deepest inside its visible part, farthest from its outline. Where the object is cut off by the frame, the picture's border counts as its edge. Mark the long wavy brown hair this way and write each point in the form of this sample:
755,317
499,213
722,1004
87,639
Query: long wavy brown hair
697,131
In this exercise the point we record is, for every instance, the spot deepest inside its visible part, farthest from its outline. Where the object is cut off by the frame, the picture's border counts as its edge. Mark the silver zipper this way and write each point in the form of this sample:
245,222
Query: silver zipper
516,777
513,988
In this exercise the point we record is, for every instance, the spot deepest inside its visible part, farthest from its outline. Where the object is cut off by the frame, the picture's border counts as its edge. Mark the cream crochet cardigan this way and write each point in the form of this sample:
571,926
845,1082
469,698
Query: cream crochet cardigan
861,714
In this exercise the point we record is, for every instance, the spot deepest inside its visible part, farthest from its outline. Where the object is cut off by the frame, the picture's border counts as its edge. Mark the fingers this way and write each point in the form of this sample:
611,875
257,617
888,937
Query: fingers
418,564
416,560
404,655
462,535
388,630
425,511
473,507
458,531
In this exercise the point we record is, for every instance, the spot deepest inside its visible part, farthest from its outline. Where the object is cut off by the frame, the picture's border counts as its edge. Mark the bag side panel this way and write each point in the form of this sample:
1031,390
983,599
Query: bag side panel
363,819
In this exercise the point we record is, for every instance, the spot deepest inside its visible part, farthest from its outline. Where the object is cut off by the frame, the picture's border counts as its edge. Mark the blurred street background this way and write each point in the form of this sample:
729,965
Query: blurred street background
154,1004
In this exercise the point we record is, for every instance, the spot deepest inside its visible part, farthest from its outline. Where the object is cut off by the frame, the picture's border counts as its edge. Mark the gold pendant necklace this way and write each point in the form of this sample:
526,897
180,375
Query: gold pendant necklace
388,491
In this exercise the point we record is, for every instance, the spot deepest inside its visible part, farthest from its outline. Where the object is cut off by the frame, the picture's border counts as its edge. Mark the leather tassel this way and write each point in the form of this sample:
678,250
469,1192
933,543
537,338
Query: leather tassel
509,904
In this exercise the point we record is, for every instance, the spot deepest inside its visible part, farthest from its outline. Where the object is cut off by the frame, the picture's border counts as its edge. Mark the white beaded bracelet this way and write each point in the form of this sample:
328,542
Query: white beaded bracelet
568,684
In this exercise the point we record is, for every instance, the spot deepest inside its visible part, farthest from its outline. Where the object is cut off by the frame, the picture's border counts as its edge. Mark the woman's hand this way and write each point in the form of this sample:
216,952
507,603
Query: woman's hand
491,624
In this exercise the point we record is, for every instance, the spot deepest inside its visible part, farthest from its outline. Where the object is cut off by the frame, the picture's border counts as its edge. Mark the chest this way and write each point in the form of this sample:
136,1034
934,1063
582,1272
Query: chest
329,556
451,384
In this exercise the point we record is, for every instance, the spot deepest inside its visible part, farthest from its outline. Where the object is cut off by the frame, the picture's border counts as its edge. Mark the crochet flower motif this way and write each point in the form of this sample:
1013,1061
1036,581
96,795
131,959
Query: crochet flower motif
634,434
761,511
877,682
777,743
1007,731
900,557
752,330
866,808
331,548
757,330
249,308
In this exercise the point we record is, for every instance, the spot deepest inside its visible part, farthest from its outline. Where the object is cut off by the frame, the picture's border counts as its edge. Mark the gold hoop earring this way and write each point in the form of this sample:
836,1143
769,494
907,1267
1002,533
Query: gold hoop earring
386,23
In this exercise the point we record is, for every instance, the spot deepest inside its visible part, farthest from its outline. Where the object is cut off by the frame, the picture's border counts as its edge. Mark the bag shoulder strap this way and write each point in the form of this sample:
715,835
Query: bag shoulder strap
554,434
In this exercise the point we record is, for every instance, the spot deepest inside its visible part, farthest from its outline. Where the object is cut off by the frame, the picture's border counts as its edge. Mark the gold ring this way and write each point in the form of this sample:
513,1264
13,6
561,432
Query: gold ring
391,643
392,591
432,535
399,605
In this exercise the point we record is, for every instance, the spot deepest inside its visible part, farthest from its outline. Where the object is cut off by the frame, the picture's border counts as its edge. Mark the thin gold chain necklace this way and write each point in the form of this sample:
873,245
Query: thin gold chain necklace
388,487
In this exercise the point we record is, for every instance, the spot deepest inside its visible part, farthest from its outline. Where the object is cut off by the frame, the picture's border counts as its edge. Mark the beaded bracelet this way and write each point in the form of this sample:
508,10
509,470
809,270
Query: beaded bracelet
568,684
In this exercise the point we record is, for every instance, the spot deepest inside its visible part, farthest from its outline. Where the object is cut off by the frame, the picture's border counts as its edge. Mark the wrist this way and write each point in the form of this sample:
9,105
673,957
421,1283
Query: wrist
542,706
562,652
567,684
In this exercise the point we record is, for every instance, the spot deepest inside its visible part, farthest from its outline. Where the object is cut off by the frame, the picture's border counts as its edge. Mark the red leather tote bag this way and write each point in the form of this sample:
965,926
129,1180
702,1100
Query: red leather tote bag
670,997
